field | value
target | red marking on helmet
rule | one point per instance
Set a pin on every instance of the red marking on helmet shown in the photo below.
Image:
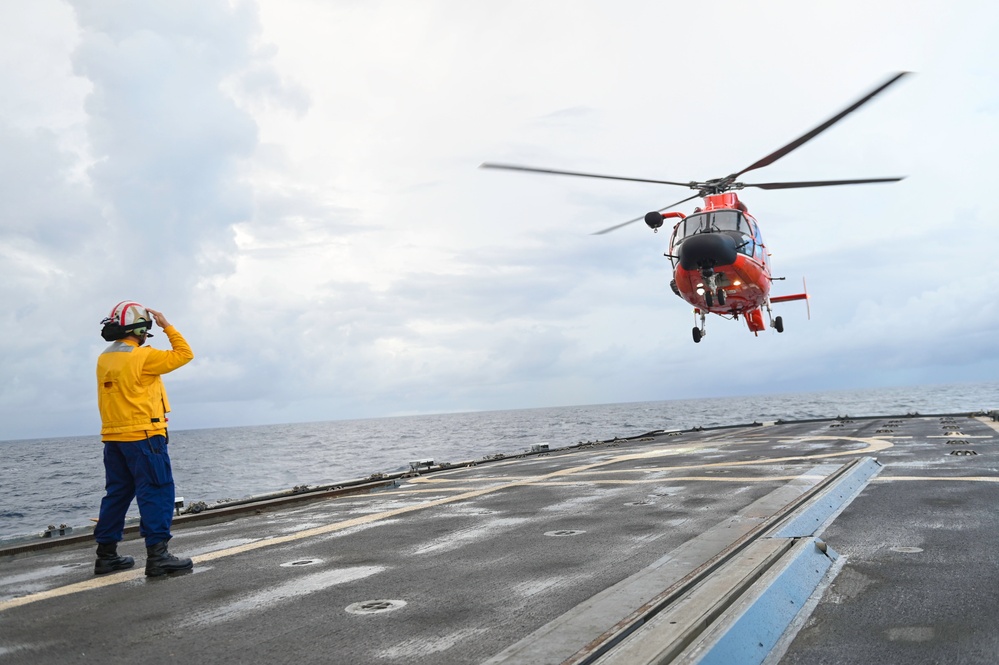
(125, 309)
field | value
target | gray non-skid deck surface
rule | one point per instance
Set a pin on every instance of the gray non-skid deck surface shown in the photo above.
(478, 558)
(921, 580)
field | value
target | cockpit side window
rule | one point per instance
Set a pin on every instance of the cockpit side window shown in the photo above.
(757, 242)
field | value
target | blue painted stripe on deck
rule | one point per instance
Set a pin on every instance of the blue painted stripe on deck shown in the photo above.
(756, 632)
(811, 521)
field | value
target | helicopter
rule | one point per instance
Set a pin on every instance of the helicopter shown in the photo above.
(720, 262)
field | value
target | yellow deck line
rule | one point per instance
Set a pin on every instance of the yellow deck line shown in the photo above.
(874, 445)
(128, 576)
(988, 421)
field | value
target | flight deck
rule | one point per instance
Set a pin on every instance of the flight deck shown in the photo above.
(825, 541)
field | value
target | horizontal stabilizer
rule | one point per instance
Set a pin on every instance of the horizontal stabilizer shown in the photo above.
(796, 296)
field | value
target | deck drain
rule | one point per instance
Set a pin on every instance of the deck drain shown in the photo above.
(375, 606)
(957, 442)
(564, 532)
(907, 550)
(963, 453)
(301, 562)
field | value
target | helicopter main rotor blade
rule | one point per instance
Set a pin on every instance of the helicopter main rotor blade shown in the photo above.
(638, 219)
(797, 143)
(511, 167)
(818, 183)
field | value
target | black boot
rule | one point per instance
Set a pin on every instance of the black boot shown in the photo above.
(108, 560)
(160, 562)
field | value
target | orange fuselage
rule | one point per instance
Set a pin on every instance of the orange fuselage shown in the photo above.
(720, 264)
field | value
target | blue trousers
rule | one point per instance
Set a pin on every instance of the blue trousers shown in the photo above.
(137, 470)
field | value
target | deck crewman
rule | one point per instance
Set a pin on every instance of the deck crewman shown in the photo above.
(133, 406)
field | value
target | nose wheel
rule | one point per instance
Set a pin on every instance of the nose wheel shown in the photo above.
(712, 292)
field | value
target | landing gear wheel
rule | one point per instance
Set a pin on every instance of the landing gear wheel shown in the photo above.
(708, 300)
(697, 334)
(779, 324)
(721, 296)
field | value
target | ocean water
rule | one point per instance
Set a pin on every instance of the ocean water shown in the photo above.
(61, 481)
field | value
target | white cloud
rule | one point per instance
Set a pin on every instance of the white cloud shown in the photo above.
(294, 183)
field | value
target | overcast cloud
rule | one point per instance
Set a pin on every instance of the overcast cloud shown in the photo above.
(295, 184)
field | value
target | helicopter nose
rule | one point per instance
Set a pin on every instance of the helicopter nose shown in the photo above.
(707, 250)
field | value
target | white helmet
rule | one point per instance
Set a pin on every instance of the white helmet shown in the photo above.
(127, 318)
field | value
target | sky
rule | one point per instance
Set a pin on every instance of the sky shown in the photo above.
(295, 185)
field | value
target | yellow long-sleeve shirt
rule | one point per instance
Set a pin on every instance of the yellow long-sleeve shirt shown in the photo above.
(130, 393)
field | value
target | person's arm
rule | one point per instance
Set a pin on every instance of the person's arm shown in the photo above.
(161, 362)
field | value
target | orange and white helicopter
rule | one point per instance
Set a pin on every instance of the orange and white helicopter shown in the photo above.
(720, 262)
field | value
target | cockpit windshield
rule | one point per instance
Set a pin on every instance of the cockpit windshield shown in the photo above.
(731, 222)
(717, 220)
